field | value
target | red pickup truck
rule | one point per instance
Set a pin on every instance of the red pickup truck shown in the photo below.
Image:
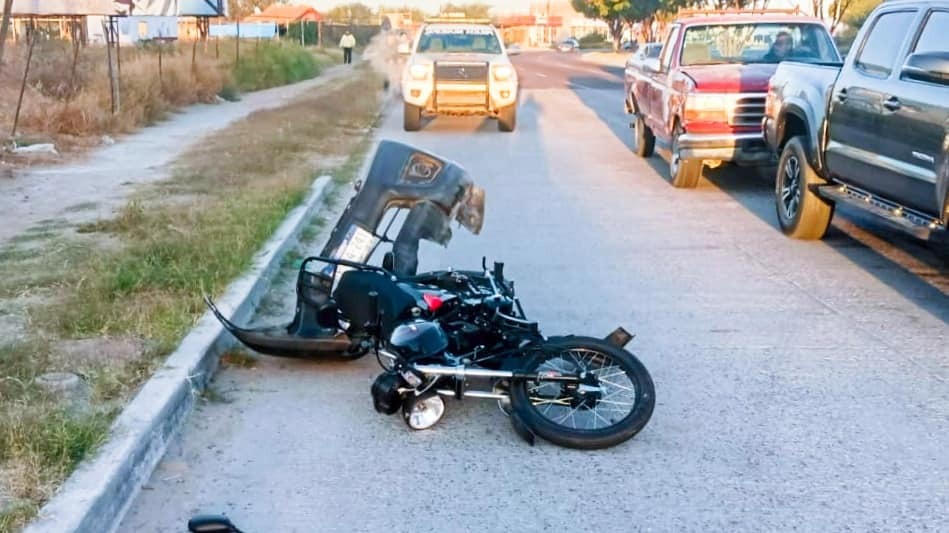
(703, 98)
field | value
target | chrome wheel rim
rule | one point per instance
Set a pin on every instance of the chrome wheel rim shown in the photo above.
(791, 188)
(617, 402)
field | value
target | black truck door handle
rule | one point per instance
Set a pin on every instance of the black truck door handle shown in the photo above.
(842, 95)
(892, 103)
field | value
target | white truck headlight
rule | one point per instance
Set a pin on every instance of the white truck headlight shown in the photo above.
(419, 72)
(502, 72)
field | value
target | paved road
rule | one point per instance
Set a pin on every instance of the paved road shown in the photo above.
(801, 386)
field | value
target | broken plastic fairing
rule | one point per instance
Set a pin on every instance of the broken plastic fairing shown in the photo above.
(434, 191)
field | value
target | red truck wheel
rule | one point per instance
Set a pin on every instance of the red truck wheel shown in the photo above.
(683, 173)
(801, 213)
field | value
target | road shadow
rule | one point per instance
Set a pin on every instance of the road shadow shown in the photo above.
(848, 235)
(857, 236)
(527, 114)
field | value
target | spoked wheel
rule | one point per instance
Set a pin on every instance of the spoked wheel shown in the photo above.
(612, 403)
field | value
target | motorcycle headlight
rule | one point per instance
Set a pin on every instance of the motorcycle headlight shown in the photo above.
(386, 398)
(503, 72)
(418, 72)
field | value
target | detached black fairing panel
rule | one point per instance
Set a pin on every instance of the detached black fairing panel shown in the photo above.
(433, 190)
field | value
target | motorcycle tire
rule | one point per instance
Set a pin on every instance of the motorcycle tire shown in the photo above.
(617, 431)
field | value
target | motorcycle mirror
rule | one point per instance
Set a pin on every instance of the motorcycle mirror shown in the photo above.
(388, 261)
(211, 524)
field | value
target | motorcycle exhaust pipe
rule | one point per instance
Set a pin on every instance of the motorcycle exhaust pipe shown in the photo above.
(484, 395)
(474, 394)
(462, 372)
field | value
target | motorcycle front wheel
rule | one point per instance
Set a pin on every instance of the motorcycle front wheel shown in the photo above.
(606, 409)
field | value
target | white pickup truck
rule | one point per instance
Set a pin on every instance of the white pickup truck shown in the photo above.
(460, 69)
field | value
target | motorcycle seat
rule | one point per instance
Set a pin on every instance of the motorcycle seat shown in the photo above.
(352, 298)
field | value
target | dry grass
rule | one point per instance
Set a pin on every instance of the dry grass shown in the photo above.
(69, 106)
(195, 232)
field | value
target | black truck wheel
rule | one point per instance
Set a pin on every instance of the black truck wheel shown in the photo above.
(411, 117)
(802, 214)
(644, 142)
(683, 173)
(507, 118)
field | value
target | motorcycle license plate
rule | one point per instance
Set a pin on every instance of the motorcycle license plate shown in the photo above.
(356, 247)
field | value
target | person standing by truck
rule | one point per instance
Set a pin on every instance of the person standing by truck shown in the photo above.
(347, 43)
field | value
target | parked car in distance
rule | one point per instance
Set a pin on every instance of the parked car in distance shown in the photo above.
(704, 97)
(568, 45)
(871, 132)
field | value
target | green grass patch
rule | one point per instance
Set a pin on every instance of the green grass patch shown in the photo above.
(274, 64)
(192, 234)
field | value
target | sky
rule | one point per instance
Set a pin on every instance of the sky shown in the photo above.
(427, 5)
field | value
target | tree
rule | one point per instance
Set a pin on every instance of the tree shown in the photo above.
(740, 4)
(615, 13)
(646, 12)
(474, 10)
(417, 14)
(853, 18)
(239, 9)
(355, 13)
(858, 11)
(4, 26)
(833, 11)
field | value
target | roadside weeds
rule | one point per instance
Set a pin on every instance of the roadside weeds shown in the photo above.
(109, 304)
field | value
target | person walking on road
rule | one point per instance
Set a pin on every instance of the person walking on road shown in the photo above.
(347, 43)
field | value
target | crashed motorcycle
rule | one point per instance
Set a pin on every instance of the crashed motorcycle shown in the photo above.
(452, 333)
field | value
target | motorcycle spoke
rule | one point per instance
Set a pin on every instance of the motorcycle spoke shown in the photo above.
(597, 415)
(617, 385)
(563, 405)
(610, 402)
(601, 376)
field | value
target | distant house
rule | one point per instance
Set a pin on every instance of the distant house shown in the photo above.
(546, 22)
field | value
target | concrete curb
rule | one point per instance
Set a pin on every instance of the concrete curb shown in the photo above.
(97, 495)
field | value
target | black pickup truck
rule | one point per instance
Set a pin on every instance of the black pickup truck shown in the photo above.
(872, 131)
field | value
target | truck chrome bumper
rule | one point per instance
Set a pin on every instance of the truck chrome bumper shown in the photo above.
(740, 148)
(460, 99)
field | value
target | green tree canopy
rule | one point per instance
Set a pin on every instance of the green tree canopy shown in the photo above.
(242, 8)
(354, 13)
(616, 13)
(417, 14)
(471, 10)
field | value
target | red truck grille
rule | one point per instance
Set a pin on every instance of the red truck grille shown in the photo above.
(749, 110)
